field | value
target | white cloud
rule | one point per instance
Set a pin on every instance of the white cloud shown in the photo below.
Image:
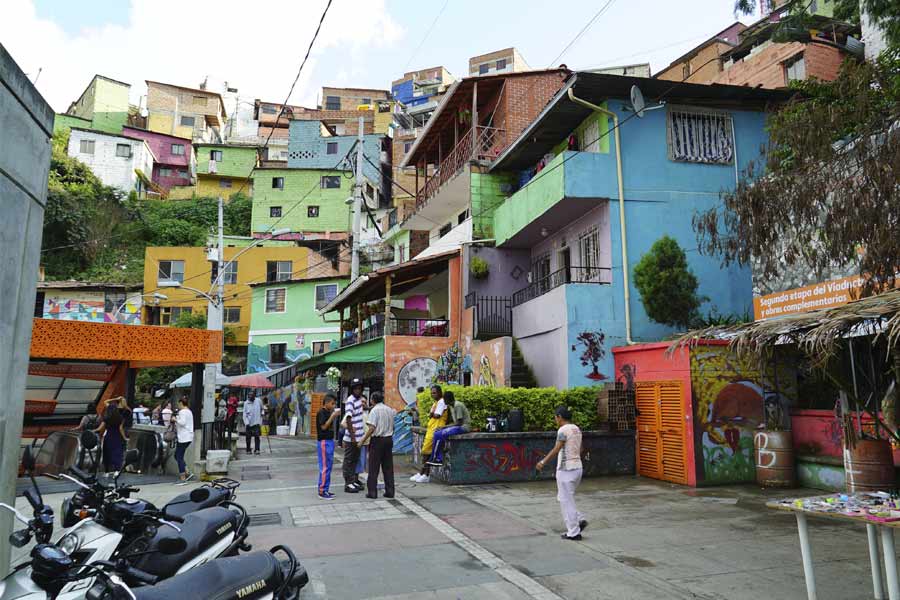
(255, 46)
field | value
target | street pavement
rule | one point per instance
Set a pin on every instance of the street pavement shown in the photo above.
(646, 539)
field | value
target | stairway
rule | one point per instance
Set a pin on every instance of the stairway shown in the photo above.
(520, 374)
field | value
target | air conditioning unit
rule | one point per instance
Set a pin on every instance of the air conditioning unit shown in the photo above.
(212, 167)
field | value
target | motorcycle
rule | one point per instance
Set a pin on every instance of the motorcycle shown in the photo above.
(206, 534)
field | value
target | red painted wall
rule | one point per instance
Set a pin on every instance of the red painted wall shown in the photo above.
(818, 433)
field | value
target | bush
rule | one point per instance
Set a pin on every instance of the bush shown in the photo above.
(538, 404)
(479, 268)
(667, 286)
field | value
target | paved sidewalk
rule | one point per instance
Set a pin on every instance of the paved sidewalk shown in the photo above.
(646, 539)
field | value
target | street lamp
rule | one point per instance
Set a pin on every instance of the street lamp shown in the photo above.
(155, 295)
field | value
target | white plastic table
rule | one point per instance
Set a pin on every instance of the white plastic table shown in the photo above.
(872, 531)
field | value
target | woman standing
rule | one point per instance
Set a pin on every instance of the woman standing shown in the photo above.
(184, 430)
(568, 472)
(112, 430)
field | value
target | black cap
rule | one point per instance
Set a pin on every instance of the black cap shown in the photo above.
(356, 382)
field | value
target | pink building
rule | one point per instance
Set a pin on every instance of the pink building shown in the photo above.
(175, 162)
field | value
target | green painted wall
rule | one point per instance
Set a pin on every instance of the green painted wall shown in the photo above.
(65, 122)
(300, 314)
(110, 106)
(542, 192)
(334, 214)
(236, 160)
(487, 195)
(579, 133)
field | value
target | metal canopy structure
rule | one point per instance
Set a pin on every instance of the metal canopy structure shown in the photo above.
(367, 352)
(561, 116)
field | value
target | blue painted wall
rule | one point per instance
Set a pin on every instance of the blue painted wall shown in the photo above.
(307, 149)
(403, 91)
(661, 198)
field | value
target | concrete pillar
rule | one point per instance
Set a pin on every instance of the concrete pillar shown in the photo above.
(26, 121)
(197, 370)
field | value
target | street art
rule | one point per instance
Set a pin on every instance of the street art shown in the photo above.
(627, 373)
(485, 373)
(258, 358)
(450, 366)
(593, 352)
(504, 458)
(94, 311)
(419, 372)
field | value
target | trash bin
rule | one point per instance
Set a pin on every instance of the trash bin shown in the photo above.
(516, 420)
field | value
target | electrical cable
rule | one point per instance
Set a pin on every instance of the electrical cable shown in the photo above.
(582, 32)
(427, 33)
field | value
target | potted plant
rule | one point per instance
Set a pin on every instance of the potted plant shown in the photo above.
(479, 268)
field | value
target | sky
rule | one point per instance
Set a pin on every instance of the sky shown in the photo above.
(257, 46)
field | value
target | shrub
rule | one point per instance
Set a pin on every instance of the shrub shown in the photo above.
(538, 404)
(479, 268)
(667, 285)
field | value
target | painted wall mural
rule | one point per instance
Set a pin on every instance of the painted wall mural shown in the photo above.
(90, 307)
(451, 365)
(591, 346)
(419, 372)
(492, 362)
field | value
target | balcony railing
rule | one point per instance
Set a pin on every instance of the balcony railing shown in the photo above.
(477, 143)
(493, 315)
(601, 275)
(410, 327)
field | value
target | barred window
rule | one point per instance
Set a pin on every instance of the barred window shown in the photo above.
(700, 136)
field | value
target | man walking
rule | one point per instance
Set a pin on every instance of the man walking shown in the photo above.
(325, 418)
(568, 472)
(380, 429)
(252, 420)
(459, 423)
(353, 434)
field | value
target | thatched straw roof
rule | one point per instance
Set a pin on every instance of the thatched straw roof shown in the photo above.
(818, 332)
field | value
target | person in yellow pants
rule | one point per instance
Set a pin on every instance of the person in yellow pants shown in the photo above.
(437, 418)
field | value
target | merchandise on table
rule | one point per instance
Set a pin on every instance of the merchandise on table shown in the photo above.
(882, 507)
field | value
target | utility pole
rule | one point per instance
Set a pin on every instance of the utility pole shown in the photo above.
(357, 202)
(214, 311)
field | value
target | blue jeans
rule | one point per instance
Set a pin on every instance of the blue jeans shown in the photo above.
(180, 449)
(325, 454)
(437, 450)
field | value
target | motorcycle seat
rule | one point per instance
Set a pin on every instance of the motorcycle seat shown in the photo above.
(182, 505)
(200, 530)
(248, 576)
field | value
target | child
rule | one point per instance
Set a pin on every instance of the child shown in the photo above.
(325, 445)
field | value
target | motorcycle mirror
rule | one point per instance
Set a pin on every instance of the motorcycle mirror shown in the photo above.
(89, 440)
(171, 545)
(28, 460)
(200, 494)
(132, 457)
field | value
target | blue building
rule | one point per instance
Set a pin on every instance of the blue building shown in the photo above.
(559, 249)
(420, 87)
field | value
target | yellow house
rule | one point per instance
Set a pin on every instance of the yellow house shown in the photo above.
(164, 267)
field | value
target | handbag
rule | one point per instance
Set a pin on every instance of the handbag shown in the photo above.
(170, 435)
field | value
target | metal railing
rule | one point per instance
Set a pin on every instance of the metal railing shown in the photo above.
(493, 315)
(601, 275)
(478, 143)
(350, 340)
(420, 327)
(216, 436)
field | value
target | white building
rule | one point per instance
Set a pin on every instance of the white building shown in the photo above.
(119, 161)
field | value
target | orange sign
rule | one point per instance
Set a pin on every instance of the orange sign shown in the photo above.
(810, 297)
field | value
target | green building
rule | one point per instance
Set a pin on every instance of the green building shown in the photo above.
(284, 323)
(302, 200)
(222, 169)
(103, 106)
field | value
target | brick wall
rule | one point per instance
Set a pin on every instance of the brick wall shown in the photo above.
(766, 68)
(524, 97)
(418, 242)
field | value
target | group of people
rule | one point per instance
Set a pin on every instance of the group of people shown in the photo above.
(368, 429)
(447, 417)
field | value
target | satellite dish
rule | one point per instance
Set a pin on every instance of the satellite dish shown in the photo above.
(637, 101)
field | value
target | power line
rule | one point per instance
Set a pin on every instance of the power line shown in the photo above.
(582, 32)
(427, 33)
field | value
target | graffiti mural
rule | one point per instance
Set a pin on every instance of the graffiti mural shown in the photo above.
(486, 372)
(627, 373)
(419, 372)
(450, 366)
(593, 352)
(492, 362)
(504, 459)
(90, 307)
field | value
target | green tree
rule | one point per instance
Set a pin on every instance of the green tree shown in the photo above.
(667, 286)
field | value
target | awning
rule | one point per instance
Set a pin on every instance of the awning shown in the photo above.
(369, 352)
(185, 380)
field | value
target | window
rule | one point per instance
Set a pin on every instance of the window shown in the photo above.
(332, 103)
(589, 252)
(200, 100)
(501, 64)
(86, 146)
(370, 191)
(320, 347)
(188, 121)
(686, 70)
(225, 183)
(324, 294)
(123, 150)
(278, 270)
(312, 212)
(407, 146)
(700, 136)
(165, 172)
(268, 109)
(590, 136)
(401, 253)
(331, 148)
(278, 183)
(445, 229)
(112, 301)
(540, 268)
(462, 217)
(275, 300)
(274, 211)
(215, 155)
(170, 271)
(331, 182)
(178, 149)
(277, 353)
(366, 101)
(232, 314)
(795, 69)
(183, 173)
(230, 276)
(168, 315)
(482, 69)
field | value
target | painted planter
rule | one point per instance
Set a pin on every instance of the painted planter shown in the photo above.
(508, 457)
(869, 466)
(775, 459)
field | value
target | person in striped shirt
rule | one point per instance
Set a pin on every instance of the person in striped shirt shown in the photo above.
(353, 434)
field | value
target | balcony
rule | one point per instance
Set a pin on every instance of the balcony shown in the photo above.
(570, 186)
(404, 327)
(597, 275)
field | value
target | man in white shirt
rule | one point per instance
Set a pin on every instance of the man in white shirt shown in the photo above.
(380, 430)
(568, 472)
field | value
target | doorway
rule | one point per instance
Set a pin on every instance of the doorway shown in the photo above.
(565, 264)
(661, 430)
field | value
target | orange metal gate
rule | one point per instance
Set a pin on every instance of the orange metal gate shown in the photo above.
(661, 430)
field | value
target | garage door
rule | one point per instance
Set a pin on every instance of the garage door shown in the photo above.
(661, 431)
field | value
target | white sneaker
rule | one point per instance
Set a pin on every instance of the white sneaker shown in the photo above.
(414, 478)
(423, 479)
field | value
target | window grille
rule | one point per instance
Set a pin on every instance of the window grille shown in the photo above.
(700, 136)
